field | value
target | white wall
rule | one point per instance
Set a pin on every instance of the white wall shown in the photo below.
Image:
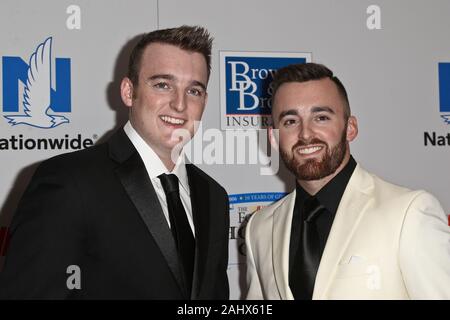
(391, 75)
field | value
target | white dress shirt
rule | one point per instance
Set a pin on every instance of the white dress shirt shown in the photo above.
(155, 167)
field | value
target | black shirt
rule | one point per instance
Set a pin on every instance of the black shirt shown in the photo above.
(329, 196)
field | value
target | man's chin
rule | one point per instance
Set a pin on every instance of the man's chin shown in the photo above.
(311, 170)
(312, 175)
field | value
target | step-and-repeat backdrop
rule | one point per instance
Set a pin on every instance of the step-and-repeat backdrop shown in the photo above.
(392, 56)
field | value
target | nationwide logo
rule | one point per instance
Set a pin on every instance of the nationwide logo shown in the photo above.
(433, 138)
(444, 91)
(23, 143)
(43, 98)
(246, 91)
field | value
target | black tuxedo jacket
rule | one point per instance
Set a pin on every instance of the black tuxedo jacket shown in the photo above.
(97, 209)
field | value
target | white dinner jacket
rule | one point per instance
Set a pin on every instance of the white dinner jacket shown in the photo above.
(386, 242)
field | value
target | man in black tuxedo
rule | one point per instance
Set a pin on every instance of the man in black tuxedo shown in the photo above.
(128, 219)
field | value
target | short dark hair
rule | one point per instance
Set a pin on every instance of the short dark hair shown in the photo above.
(303, 72)
(190, 38)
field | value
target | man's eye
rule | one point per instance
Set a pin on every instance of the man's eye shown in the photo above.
(322, 118)
(195, 92)
(161, 85)
(289, 122)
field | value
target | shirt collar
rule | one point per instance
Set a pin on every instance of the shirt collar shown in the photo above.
(330, 195)
(152, 162)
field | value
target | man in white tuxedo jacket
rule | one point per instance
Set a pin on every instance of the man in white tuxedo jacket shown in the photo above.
(343, 233)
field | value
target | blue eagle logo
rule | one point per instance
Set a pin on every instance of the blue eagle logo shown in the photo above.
(37, 92)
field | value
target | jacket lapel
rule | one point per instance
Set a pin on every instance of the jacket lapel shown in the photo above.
(282, 219)
(134, 178)
(354, 202)
(200, 203)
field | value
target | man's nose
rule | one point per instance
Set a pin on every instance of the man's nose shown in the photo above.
(305, 133)
(178, 101)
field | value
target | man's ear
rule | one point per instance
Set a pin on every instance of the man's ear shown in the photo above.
(126, 92)
(274, 138)
(352, 128)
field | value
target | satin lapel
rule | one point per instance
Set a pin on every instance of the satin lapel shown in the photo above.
(355, 200)
(282, 219)
(201, 205)
(135, 180)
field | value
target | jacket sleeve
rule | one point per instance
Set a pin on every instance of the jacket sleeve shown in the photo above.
(425, 249)
(223, 284)
(254, 286)
(46, 239)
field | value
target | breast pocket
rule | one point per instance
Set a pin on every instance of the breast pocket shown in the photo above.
(356, 279)
(350, 270)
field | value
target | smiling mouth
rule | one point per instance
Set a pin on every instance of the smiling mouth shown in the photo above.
(309, 150)
(172, 120)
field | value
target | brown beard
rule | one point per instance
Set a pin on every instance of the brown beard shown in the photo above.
(313, 169)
